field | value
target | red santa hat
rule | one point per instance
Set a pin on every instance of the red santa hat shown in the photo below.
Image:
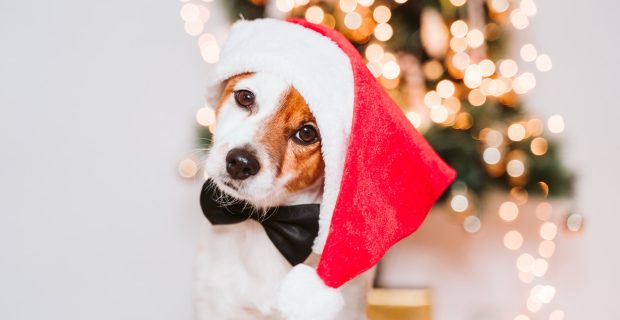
(381, 176)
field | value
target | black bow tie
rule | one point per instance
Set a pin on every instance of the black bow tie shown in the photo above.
(292, 229)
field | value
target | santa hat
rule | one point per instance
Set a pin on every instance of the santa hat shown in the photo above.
(381, 176)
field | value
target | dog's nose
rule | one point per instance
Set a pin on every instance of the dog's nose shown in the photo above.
(241, 164)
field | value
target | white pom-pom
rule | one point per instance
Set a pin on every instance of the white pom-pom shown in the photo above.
(304, 296)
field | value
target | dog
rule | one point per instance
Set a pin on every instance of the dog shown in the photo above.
(266, 151)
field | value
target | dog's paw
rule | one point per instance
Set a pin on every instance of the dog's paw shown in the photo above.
(304, 296)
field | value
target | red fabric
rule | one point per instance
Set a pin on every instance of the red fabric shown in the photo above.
(392, 177)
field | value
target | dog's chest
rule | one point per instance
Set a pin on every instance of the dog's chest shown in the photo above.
(239, 269)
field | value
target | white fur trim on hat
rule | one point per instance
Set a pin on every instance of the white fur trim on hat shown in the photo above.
(304, 296)
(318, 69)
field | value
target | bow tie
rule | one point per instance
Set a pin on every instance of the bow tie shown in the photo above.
(292, 229)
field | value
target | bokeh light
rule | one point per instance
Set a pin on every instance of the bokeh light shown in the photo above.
(546, 249)
(353, 20)
(459, 29)
(459, 203)
(543, 63)
(315, 14)
(556, 123)
(508, 211)
(528, 52)
(513, 240)
(382, 14)
(491, 155)
(544, 211)
(515, 168)
(548, 231)
(472, 224)
(188, 168)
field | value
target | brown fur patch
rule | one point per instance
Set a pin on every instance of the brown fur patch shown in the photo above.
(229, 87)
(303, 162)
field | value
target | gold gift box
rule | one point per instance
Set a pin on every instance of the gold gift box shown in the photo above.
(399, 304)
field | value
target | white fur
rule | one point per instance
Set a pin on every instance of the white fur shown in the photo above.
(239, 272)
(318, 69)
(304, 296)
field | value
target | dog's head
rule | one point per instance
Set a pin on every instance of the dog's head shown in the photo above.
(266, 145)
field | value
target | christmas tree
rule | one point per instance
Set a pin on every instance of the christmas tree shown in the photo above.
(443, 63)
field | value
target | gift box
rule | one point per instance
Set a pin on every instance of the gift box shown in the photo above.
(399, 304)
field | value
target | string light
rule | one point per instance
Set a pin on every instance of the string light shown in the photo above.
(524, 83)
(574, 222)
(383, 32)
(459, 29)
(461, 60)
(353, 20)
(494, 138)
(544, 210)
(516, 132)
(487, 67)
(433, 69)
(315, 14)
(508, 68)
(188, 168)
(518, 19)
(508, 211)
(528, 7)
(556, 315)
(432, 98)
(491, 155)
(382, 14)
(458, 3)
(515, 168)
(539, 146)
(414, 118)
(528, 52)
(194, 27)
(535, 127)
(365, 3)
(285, 5)
(445, 88)
(476, 98)
(543, 63)
(513, 240)
(539, 267)
(499, 5)
(472, 224)
(458, 44)
(189, 12)
(439, 114)
(390, 70)
(209, 50)
(556, 123)
(459, 203)
(546, 249)
(473, 76)
(347, 5)
(524, 262)
(375, 68)
(205, 116)
(548, 231)
(475, 38)
(374, 52)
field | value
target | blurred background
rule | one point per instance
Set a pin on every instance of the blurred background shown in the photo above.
(103, 119)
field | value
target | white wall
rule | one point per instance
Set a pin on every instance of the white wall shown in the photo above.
(97, 102)
(97, 106)
(475, 277)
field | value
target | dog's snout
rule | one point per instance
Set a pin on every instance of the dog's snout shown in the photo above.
(241, 164)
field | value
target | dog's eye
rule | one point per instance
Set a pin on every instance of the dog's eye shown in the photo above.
(306, 135)
(244, 98)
